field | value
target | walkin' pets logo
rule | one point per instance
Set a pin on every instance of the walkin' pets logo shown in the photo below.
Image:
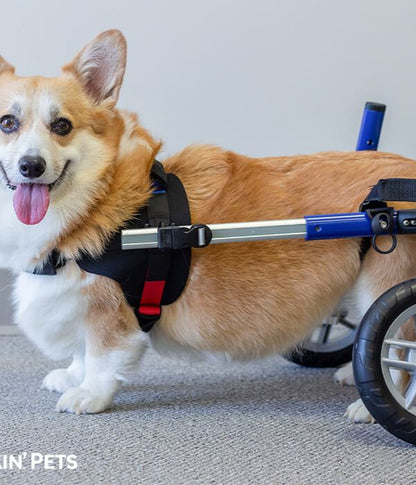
(35, 461)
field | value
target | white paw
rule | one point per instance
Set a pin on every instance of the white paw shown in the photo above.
(345, 376)
(79, 400)
(357, 413)
(59, 380)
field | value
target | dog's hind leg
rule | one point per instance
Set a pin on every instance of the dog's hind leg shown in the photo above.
(356, 301)
(344, 375)
(60, 380)
(362, 300)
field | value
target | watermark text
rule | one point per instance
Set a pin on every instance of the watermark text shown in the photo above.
(35, 461)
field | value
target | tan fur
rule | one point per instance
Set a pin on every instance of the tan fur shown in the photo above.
(110, 318)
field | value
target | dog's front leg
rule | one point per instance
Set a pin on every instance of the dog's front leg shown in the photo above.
(60, 380)
(114, 345)
(105, 372)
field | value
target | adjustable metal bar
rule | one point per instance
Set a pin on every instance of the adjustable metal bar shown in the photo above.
(258, 231)
(140, 238)
(330, 226)
(222, 233)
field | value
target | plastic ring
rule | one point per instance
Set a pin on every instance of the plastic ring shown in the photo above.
(388, 251)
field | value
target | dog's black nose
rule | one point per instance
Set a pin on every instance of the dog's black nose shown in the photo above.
(32, 167)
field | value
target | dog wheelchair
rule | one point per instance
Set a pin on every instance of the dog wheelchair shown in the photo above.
(377, 346)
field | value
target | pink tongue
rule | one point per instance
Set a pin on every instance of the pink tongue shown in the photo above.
(31, 202)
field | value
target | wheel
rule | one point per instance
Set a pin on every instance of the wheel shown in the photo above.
(384, 360)
(330, 345)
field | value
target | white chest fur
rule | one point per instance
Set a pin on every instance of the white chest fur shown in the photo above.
(51, 310)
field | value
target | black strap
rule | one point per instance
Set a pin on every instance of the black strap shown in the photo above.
(400, 190)
(169, 206)
(158, 262)
(158, 173)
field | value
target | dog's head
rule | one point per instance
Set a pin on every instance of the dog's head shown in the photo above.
(60, 133)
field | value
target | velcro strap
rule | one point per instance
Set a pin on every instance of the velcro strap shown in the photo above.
(400, 190)
(394, 190)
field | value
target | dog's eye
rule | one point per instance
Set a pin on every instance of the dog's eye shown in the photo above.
(9, 123)
(61, 126)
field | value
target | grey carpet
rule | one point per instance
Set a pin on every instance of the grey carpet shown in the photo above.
(268, 422)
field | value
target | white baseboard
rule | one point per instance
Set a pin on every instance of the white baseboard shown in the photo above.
(9, 330)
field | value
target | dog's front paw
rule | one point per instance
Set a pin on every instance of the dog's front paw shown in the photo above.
(79, 400)
(345, 376)
(358, 413)
(59, 380)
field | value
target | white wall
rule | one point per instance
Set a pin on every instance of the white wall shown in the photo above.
(261, 77)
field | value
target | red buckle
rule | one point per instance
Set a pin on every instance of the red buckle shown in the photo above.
(151, 298)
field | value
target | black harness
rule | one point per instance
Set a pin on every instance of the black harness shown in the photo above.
(149, 278)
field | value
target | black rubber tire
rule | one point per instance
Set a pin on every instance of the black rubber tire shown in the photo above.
(367, 363)
(309, 358)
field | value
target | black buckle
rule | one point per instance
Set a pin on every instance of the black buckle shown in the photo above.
(175, 237)
(372, 205)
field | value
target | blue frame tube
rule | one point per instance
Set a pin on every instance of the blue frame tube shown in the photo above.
(334, 226)
(371, 124)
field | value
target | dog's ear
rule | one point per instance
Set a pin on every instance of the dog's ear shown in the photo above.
(5, 66)
(100, 67)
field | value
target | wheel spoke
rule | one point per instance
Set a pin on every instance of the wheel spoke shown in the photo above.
(324, 332)
(410, 394)
(399, 364)
(402, 344)
(346, 323)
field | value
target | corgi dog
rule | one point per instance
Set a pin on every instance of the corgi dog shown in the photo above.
(74, 169)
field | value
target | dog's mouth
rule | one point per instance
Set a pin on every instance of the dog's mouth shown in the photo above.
(31, 200)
